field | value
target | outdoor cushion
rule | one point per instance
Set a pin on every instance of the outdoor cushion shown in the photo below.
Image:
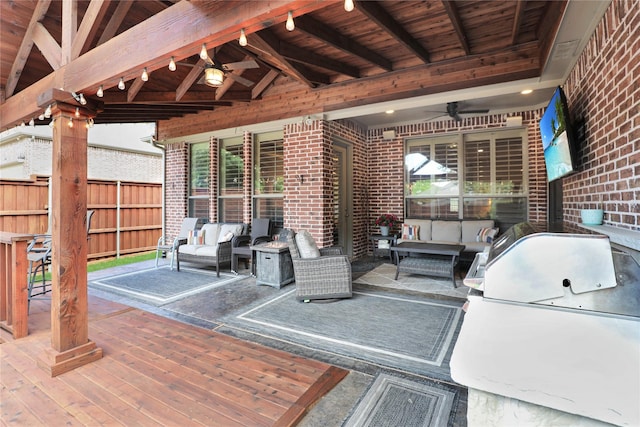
(207, 250)
(410, 232)
(189, 249)
(210, 233)
(470, 228)
(307, 245)
(486, 235)
(225, 229)
(424, 225)
(446, 231)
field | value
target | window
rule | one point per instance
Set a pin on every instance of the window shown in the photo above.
(231, 180)
(432, 178)
(199, 180)
(268, 186)
(490, 182)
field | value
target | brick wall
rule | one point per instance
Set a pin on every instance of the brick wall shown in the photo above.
(176, 185)
(603, 92)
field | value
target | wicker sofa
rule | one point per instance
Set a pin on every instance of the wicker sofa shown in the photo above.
(212, 245)
(462, 232)
(320, 273)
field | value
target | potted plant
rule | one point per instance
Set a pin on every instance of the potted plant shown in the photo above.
(386, 222)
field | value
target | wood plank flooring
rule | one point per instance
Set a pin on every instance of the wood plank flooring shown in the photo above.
(157, 371)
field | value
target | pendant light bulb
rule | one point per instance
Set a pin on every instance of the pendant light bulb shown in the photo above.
(32, 122)
(47, 112)
(203, 52)
(243, 38)
(121, 83)
(82, 100)
(77, 112)
(23, 124)
(70, 122)
(145, 75)
(41, 116)
(290, 25)
(100, 92)
(348, 5)
(172, 64)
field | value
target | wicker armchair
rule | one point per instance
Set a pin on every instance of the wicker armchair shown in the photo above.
(327, 276)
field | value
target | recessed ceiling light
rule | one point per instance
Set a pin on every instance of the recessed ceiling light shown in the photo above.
(390, 111)
(526, 91)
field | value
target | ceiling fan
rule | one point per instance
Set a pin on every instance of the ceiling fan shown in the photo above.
(215, 71)
(454, 111)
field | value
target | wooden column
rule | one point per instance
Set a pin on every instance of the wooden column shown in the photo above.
(70, 344)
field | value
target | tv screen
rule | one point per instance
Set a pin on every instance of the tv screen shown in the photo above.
(557, 137)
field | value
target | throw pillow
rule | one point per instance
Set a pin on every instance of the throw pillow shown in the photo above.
(410, 232)
(486, 234)
(306, 245)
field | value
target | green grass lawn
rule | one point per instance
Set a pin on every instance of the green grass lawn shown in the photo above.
(109, 263)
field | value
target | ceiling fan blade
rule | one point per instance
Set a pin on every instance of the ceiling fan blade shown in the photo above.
(240, 79)
(241, 65)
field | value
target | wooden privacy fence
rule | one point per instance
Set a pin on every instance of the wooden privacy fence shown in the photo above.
(127, 218)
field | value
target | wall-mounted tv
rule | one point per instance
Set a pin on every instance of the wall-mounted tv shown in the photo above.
(557, 137)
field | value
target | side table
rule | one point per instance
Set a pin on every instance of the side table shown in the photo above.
(375, 240)
(273, 264)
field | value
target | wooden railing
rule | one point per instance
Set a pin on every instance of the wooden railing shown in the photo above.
(14, 305)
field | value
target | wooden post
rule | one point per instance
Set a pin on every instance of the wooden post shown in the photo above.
(70, 342)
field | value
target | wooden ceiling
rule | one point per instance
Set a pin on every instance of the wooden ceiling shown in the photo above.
(86, 44)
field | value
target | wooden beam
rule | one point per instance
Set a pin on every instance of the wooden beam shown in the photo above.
(270, 44)
(322, 32)
(115, 21)
(182, 28)
(375, 12)
(69, 28)
(48, 46)
(89, 26)
(263, 84)
(454, 17)
(25, 47)
(297, 54)
(162, 98)
(517, 20)
(134, 89)
(192, 77)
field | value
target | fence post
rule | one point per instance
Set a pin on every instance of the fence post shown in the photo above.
(118, 202)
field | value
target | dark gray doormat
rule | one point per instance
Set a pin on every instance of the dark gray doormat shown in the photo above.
(159, 286)
(393, 401)
(410, 333)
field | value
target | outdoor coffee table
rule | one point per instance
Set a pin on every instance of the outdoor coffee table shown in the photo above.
(428, 259)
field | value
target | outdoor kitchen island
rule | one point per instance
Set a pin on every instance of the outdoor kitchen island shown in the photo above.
(551, 334)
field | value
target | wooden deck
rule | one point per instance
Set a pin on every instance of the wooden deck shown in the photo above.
(156, 371)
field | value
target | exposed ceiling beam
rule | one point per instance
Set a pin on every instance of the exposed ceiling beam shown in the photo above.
(263, 84)
(69, 28)
(454, 17)
(89, 26)
(191, 78)
(48, 46)
(375, 12)
(182, 28)
(297, 54)
(25, 47)
(115, 21)
(322, 32)
(134, 89)
(266, 41)
(162, 98)
(517, 21)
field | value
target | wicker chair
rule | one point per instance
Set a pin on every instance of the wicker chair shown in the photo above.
(325, 277)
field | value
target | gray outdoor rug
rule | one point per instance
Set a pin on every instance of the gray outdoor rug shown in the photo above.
(159, 286)
(393, 401)
(410, 333)
(384, 274)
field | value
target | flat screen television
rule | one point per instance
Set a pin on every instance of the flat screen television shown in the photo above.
(558, 139)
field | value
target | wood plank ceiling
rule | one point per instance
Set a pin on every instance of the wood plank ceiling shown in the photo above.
(79, 45)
